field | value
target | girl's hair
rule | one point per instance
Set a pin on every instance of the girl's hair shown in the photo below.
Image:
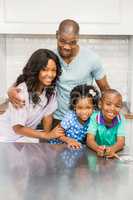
(38, 61)
(83, 91)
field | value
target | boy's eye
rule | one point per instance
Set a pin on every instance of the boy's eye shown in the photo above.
(108, 103)
(118, 106)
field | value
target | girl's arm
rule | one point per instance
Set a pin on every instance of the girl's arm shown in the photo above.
(29, 132)
(72, 143)
(47, 122)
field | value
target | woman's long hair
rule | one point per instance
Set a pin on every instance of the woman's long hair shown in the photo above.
(38, 61)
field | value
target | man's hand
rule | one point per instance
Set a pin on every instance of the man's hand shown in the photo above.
(15, 97)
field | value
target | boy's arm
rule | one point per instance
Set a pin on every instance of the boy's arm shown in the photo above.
(91, 143)
(110, 151)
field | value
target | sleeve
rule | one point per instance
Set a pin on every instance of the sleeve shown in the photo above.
(66, 122)
(98, 70)
(121, 128)
(52, 106)
(19, 115)
(92, 128)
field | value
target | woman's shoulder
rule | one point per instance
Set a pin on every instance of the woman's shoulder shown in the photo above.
(23, 91)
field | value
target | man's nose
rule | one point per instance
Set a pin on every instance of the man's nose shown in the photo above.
(67, 46)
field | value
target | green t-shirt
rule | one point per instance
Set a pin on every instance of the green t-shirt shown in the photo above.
(106, 135)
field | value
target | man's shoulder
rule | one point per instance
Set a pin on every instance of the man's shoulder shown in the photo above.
(89, 54)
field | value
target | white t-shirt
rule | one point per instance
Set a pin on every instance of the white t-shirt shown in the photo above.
(29, 115)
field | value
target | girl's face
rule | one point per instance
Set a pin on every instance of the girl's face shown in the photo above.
(111, 105)
(84, 108)
(48, 73)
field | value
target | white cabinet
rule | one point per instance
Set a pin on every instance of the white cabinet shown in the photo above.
(43, 16)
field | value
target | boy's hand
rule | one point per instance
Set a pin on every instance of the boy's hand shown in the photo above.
(73, 144)
(110, 153)
(101, 151)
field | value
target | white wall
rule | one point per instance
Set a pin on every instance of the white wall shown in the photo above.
(42, 17)
(113, 51)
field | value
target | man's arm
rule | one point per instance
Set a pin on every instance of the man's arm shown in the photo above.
(103, 84)
(14, 98)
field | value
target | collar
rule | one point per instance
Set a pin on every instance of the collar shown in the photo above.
(100, 120)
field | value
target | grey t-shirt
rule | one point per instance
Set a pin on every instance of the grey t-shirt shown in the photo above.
(83, 69)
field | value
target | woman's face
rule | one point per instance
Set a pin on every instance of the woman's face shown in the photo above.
(48, 73)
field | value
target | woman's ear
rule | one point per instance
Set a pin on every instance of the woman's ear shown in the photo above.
(56, 34)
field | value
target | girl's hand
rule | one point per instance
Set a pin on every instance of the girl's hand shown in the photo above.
(101, 151)
(110, 153)
(73, 144)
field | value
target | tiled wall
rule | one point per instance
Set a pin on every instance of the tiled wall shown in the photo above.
(113, 51)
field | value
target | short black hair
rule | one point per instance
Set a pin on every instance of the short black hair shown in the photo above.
(68, 26)
(110, 91)
(83, 91)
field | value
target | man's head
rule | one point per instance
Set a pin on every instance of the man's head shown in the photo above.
(67, 38)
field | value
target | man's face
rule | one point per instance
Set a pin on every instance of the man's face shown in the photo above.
(67, 45)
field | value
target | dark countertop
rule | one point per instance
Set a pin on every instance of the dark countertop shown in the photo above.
(53, 172)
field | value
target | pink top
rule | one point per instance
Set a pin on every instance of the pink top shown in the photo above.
(28, 116)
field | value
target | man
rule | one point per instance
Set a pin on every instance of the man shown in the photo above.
(79, 66)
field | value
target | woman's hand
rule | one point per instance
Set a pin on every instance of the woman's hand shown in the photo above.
(54, 133)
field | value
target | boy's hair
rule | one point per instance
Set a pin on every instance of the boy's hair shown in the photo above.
(38, 61)
(110, 91)
(83, 91)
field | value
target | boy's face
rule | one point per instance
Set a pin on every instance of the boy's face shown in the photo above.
(111, 105)
(84, 108)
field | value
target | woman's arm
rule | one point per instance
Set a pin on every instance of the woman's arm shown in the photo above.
(29, 132)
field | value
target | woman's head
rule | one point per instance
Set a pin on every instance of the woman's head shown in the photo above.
(83, 99)
(41, 71)
(110, 104)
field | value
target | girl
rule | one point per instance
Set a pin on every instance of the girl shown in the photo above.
(106, 134)
(83, 99)
(37, 87)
